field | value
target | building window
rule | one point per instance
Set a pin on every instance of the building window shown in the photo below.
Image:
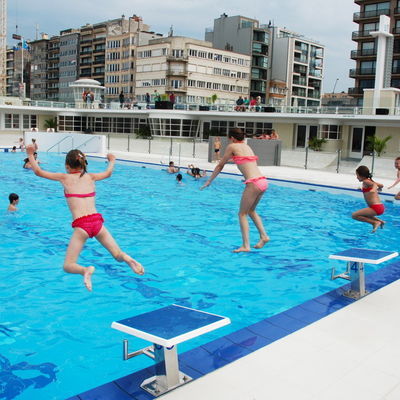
(11, 121)
(331, 131)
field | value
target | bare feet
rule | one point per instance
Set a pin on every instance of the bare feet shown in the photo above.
(376, 225)
(136, 266)
(241, 249)
(87, 277)
(381, 221)
(262, 242)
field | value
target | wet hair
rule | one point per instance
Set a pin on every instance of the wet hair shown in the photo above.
(195, 171)
(237, 134)
(397, 159)
(12, 197)
(363, 171)
(171, 163)
(14, 148)
(33, 140)
(75, 159)
(179, 177)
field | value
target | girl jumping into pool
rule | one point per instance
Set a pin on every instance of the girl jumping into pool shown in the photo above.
(79, 189)
(370, 190)
(256, 185)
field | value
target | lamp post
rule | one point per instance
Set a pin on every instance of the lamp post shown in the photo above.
(22, 84)
(334, 86)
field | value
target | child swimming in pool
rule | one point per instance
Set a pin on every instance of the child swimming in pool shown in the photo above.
(79, 189)
(256, 185)
(370, 190)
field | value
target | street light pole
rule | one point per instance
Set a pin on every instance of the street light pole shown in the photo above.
(334, 86)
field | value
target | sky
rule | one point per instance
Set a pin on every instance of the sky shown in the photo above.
(329, 22)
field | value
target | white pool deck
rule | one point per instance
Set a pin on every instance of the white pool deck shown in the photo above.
(353, 353)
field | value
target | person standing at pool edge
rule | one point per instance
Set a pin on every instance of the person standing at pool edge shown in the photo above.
(256, 185)
(370, 190)
(79, 189)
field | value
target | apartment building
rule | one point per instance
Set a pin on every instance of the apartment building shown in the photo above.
(53, 60)
(245, 35)
(299, 62)
(192, 69)
(365, 54)
(16, 60)
(68, 63)
(39, 68)
(120, 63)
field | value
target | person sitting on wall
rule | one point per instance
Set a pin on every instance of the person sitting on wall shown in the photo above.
(273, 135)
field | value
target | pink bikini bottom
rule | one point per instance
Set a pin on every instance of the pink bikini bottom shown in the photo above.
(91, 224)
(260, 182)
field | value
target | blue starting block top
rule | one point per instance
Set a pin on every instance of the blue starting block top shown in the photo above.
(170, 325)
(364, 255)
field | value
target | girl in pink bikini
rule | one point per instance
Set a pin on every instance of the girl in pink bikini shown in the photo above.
(370, 190)
(79, 189)
(256, 185)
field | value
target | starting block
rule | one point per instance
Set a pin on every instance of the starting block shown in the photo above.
(355, 267)
(166, 328)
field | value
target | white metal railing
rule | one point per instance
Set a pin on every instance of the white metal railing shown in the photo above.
(88, 141)
(60, 141)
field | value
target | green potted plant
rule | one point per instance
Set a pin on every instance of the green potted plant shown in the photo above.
(51, 123)
(378, 144)
(144, 132)
(316, 143)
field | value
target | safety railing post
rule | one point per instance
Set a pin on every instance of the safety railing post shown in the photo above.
(339, 152)
(306, 160)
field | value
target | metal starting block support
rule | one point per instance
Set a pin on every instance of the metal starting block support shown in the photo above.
(355, 268)
(166, 328)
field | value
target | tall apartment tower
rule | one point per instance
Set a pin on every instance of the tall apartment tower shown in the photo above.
(39, 67)
(245, 35)
(68, 63)
(53, 68)
(365, 55)
(299, 63)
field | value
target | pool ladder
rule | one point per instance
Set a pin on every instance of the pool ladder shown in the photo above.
(344, 275)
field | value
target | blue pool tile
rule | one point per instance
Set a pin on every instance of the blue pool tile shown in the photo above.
(286, 322)
(73, 398)
(109, 391)
(194, 374)
(268, 330)
(131, 383)
(225, 349)
(303, 315)
(248, 339)
(201, 360)
(319, 308)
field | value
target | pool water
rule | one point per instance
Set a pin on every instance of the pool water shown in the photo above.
(55, 337)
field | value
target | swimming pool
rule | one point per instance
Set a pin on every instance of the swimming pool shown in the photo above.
(55, 337)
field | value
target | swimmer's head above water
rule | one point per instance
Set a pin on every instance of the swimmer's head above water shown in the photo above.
(76, 160)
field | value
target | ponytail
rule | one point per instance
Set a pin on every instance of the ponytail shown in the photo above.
(363, 171)
(75, 159)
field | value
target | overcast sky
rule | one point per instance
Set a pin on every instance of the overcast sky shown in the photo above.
(327, 21)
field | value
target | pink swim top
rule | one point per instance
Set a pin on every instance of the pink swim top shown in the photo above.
(80, 195)
(244, 159)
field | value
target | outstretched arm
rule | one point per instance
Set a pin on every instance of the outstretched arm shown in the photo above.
(396, 181)
(107, 173)
(220, 166)
(54, 176)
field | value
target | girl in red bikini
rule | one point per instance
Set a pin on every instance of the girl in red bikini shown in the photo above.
(79, 189)
(256, 185)
(370, 190)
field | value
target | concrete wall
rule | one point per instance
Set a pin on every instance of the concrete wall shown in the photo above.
(65, 141)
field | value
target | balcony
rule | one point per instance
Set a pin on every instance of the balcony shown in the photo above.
(359, 16)
(396, 70)
(396, 11)
(302, 59)
(171, 88)
(299, 81)
(356, 91)
(177, 58)
(355, 54)
(176, 72)
(83, 52)
(362, 34)
(361, 71)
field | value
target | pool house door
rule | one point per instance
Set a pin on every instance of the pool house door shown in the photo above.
(304, 133)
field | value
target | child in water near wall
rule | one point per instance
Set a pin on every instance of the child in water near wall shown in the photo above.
(370, 190)
(14, 200)
(79, 190)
